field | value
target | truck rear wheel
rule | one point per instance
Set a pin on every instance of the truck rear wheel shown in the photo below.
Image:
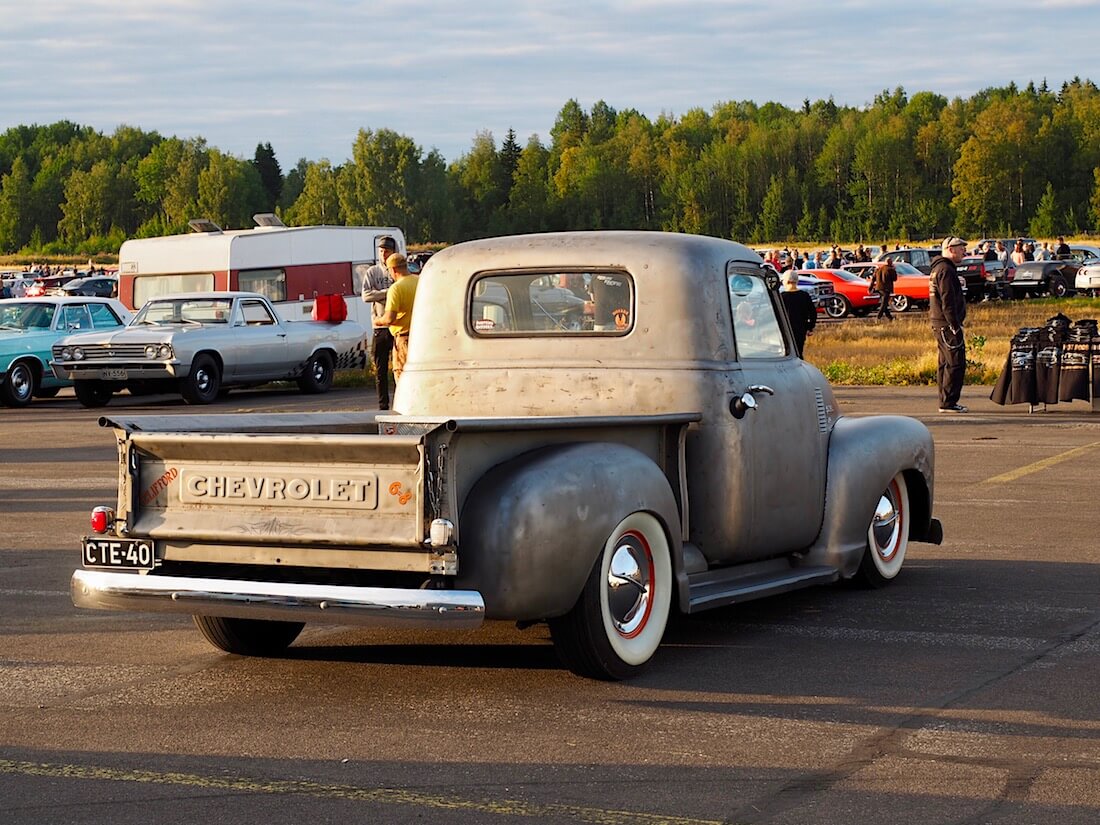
(317, 376)
(248, 637)
(619, 619)
(887, 536)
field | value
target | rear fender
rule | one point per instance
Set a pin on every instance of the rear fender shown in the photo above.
(532, 528)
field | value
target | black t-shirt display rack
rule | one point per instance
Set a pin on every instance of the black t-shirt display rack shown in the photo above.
(1059, 361)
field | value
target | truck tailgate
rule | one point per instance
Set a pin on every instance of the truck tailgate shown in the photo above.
(275, 489)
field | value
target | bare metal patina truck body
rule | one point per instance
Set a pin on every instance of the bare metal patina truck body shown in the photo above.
(663, 449)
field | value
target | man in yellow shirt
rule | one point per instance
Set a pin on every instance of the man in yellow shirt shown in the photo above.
(399, 309)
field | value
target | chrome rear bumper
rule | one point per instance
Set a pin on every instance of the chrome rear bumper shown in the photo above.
(330, 604)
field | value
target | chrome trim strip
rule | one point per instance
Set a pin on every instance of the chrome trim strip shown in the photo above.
(330, 604)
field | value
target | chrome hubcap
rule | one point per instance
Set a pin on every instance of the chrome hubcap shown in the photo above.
(21, 382)
(202, 380)
(885, 525)
(630, 584)
(318, 371)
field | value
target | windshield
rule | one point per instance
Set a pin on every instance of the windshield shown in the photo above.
(26, 315)
(186, 311)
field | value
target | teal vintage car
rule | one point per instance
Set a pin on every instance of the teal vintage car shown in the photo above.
(29, 327)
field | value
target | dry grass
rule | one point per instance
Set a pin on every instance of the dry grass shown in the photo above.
(865, 351)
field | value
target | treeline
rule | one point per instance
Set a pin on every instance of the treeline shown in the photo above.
(1006, 161)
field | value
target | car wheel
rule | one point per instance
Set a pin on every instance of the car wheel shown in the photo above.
(899, 303)
(18, 386)
(248, 637)
(93, 393)
(887, 536)
(317, 376)
(837, 306)
(202, 384)
(619, 619)
(47, 392)
(1058, 287)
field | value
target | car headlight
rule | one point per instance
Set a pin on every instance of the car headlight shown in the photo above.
(164, 351)
(151, 351)
(78, 354)
(66, 353)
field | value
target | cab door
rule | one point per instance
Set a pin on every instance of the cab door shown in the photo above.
(777, 428)
(259, 343)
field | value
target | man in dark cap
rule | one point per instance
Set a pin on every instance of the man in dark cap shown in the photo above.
(947, 311)
(376, 283)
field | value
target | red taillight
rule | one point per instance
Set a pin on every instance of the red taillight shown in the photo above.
(101, 519)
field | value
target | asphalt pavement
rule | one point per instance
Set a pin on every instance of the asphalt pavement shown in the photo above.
(964, 692)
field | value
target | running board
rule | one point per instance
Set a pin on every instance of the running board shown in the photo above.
(730, 585)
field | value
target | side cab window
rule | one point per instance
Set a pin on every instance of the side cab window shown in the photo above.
(255, 314)
(757, 331)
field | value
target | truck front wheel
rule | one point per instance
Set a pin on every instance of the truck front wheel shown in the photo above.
(92, 393)
(887, 536)
(248, 637)
(202, 384)
(619, 619)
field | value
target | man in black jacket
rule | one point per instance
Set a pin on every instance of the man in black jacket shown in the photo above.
(883, 282)
(947, 310)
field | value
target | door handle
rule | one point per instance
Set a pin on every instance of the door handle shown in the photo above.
(741, 404)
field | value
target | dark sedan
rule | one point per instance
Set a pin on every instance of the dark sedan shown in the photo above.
(97, 287)
(1055, 278)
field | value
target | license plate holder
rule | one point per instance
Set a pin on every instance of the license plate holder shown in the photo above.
(113, 374)
(118, 554)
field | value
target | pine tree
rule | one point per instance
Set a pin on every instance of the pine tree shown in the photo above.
(271, 174)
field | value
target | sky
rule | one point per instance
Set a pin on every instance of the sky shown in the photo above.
(308, 76)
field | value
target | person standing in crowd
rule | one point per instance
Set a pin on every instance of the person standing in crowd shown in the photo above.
(811, 261)
(800, 310)
(883, 283)
(947, 311)
(399, 310)
(989, 253)
(376, 284)
(1018, 255)
(1043, 253)
(1062, 251)
(1003, 255)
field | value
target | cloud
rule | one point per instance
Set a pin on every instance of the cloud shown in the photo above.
(307, 77)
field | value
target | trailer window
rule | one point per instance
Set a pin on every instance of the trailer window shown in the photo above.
(552, 303)
(151, 286)
(271, 283)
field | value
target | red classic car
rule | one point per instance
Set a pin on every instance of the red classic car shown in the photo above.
(851, 296)
(910, 289)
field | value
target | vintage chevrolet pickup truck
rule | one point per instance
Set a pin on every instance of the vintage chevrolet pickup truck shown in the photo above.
(669, 453)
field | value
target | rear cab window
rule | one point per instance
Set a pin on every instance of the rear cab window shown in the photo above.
(556, 303)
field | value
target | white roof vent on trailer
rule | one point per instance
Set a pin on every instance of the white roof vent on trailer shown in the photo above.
(204, 225)
(268, 220)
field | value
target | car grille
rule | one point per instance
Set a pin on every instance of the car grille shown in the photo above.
(104, 351)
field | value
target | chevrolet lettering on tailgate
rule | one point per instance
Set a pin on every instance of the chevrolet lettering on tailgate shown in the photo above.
(209, 485)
